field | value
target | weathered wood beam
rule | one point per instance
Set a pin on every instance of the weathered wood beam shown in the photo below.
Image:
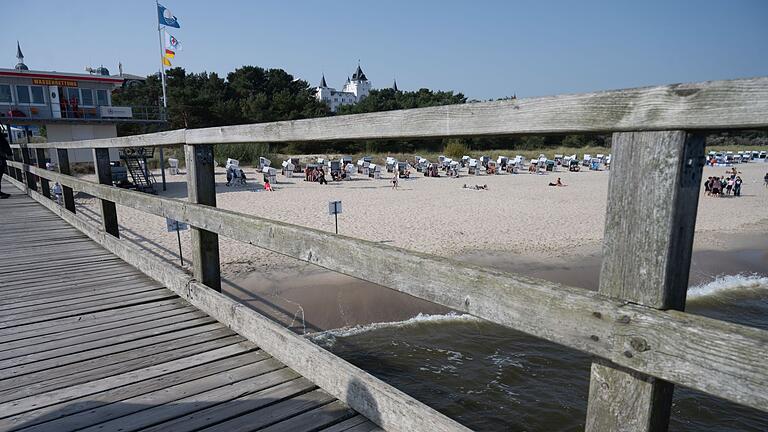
(706, 105)
(66, 191)
(104, 175)
(44, 185)
(383, 404)
(166, 138)
(201, 189)
(719, 358)
(712, 105)
(653, 195)
(29, 178)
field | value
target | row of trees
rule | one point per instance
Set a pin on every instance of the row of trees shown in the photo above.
(252, 94)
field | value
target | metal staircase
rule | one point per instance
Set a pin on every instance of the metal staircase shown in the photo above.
(135, 159)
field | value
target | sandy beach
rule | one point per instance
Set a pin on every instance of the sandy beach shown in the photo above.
(518, 224)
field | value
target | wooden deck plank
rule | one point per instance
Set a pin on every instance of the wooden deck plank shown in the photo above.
(39, 361)
(33, 402)
(86, 320)
(105, 337)
(15, 297)
(275, 413)
(96, 307)
(38, 338)
(88, 341)
(240, 406)
(357, 423)
(113, 364)
(65, 300)
(172, 403)
(106, 397)
(80, 292)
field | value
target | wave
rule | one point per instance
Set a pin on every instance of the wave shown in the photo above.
(329, 336)
(727, 285)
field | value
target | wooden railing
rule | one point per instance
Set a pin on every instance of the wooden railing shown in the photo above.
(634, 326)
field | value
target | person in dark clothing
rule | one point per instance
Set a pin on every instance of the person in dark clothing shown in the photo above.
(5, 153)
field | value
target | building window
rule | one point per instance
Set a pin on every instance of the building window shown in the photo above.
(22, 94)
(37, 95)
(101, 97)
(73, 94)
(5, 93)
(87, 97)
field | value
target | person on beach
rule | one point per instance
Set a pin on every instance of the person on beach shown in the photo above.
(765, 179)
(321, 177)
(558, 183)
(715, 186)
(5, 153)
(708, 186)
(395, 180)
(728, 186)
(737, 186)
(268, 185)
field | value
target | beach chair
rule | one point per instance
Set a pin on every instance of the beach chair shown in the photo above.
(391, 163)
(288, 168)
(270, 173)
(264, 162)
(350, 169)
(235, 175)
(472, 170)
(464, 161)
(173, 166)
(403, 170)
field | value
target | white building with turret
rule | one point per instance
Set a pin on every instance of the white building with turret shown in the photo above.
(354, 90)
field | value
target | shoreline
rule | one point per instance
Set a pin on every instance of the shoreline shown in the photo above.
(329, 300)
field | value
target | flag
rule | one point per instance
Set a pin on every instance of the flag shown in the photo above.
(169, 54)
(166, 18)
(166, 62)
(171, 43)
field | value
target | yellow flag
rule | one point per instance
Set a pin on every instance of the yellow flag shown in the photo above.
(169, 54)
(166, 62)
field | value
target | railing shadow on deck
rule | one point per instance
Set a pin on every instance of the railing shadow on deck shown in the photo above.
(634, 325)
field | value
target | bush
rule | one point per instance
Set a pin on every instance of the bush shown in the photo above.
(455, 149)
(246, 153)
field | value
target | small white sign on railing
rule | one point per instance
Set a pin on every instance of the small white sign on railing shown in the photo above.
(116, 112)
(172, 225)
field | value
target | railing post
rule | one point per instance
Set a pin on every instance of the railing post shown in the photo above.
(62, 155)
(44, 185)
(104, 175)
(29, 178)
(201, 189)
(653, 193)
(17, 158)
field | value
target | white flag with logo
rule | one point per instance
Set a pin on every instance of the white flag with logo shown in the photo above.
(171, 43)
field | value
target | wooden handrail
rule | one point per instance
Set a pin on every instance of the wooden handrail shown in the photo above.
(723, 359)
(711, 105)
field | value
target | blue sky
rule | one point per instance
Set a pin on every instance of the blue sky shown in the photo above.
(485, 49)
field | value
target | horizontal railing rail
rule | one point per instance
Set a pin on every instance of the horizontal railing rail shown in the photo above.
(712, 105)
(719, 358)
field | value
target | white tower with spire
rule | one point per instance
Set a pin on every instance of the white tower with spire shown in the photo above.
(20, 57)
(354, 90)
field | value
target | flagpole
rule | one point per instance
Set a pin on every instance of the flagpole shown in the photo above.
(165, 99)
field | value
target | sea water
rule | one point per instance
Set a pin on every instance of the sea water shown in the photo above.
(489, 377)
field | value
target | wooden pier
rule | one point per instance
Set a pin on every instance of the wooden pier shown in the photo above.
(71, 350)
(88, 342)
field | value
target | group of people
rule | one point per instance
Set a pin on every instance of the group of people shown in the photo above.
(723, 185)
(315, 174)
